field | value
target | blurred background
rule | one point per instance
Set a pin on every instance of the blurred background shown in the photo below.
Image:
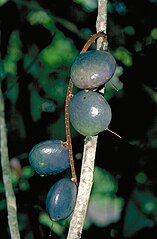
(39, 41)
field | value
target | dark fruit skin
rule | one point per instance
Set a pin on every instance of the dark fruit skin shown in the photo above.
(61, 199)
(49, 157)
(89, 113)
(92, 69)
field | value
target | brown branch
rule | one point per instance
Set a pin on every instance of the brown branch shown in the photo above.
(6, 173)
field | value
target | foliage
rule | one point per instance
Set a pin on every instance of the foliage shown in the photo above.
(39, 43)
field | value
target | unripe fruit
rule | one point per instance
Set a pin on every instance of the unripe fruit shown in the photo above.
(92, 69)
(49, 157)
(61, 199)
(89, 113)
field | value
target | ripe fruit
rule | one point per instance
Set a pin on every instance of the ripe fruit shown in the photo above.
(89, 113)
(61, 199)
(49, 157)
(92, 69)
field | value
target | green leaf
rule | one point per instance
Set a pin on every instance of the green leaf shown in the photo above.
(27, 172)
(3, 2)
(36, 105)
(88, 5)
(154, 33)
(56, 89)
(14, 178)
(56, 53)
(123, 55)
(2, 71)
(39, 17)
(103, 184)
(146, 201)
(24, 185)
(45, 220)
(129, 30)
(141, 178)
(48, 106)
(10, 66)
(141, 207)
(31, 63)
(134, 220)
(14, 54)
(12, 92)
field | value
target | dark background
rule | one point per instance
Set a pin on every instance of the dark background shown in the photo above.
(39, 41)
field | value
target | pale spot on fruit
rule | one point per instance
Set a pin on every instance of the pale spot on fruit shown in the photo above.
(47, 150)
(94, 76)
(94, 111)
(56, 199)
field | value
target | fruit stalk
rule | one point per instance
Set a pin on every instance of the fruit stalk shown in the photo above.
(87, 169)
(10, 197)
(68, 135)
(101, 35)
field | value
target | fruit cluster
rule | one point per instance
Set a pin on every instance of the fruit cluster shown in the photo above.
(49, 158)
(89, 113)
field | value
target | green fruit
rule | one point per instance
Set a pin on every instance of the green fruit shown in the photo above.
(61, 199)
(49, 157)
(92, 69)
(89, 113)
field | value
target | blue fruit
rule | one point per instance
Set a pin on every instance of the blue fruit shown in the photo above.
(92, 69)
(61, 199)
(49, 157)
(89, 113)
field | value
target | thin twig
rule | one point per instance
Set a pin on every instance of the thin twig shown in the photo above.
(89, 151)
(99, 34)
(112, 132)
(6, 172)
(68, 134)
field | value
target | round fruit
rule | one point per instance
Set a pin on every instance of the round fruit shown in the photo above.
(49, 157)
(92, 69)
(89, 113)
(61, 199)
